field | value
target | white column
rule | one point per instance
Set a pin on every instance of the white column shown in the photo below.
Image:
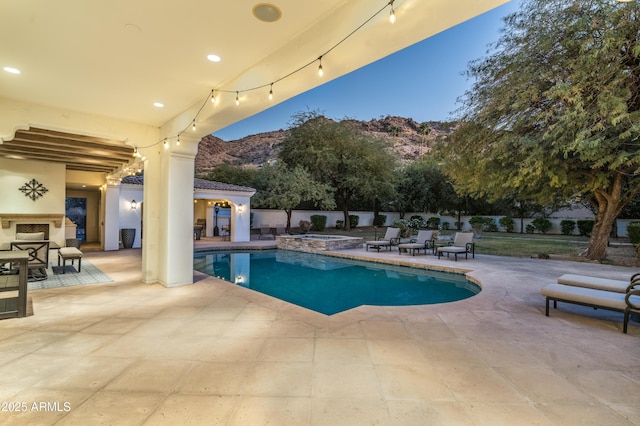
(167, 255)
(112, 217)
(240, 222)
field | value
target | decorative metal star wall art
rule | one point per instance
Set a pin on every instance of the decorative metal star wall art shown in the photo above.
(33, 189)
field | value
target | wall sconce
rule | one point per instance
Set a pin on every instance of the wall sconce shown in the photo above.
(240, 208)
(134, 205)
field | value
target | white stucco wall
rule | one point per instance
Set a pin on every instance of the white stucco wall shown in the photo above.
(129, 217)
(13, 175)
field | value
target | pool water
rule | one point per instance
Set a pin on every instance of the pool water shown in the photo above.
(330, 285)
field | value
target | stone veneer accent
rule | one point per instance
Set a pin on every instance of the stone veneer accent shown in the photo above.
(312, 243)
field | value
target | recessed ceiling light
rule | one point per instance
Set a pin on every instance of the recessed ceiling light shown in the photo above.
(267, 12)
(158, 104)
(213, 58)
(12, 70)
(15, 157)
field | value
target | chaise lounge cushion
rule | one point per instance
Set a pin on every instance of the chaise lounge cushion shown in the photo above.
(618, 286)
(587, 296)
(628, 303)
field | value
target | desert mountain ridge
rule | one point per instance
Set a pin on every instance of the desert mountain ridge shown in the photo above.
(405, 136)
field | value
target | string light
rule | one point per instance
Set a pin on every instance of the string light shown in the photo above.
(392, 13)
(212, 96)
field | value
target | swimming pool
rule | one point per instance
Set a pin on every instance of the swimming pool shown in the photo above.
(330, 285)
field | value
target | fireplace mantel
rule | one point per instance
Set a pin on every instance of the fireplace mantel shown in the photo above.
(7, 218)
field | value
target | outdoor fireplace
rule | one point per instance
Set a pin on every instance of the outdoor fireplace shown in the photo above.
(33, 227)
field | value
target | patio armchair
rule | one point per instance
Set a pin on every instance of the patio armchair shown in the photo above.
(462, 243)
(38, 261)
(265, 233)
(424, 241)
(281, 230)
(390, 238)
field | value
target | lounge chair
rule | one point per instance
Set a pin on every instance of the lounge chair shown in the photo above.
(265, 233)
(424, 241)
(38, 258)
(462, 243)
(391, 237)
(606, 284)
(627, 302)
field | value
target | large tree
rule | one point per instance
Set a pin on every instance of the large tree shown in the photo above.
(555, 110)
(285, 188)
(351, 162)
(423, 187)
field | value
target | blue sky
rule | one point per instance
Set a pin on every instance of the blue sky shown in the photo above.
(421, 82)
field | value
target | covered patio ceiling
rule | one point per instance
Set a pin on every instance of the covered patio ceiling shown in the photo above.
(115, 59)
(77, 152)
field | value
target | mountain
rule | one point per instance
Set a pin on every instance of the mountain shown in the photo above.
(403, 134)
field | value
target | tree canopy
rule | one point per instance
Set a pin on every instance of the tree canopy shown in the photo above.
(554, 110)
(285, 188)
(351, 162)
(423, 187)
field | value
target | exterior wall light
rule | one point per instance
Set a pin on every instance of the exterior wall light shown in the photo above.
(240, 208)
(134, 205)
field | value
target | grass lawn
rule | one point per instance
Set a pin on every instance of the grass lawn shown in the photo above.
(498, 243)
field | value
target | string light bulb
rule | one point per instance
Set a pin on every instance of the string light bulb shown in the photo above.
(392, 19)
(392, 14)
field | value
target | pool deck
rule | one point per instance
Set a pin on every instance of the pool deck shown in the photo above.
(215, 353)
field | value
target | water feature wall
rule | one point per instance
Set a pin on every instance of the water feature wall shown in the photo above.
(312, 243)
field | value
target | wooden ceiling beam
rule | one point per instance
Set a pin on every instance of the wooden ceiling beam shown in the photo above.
(73, 144)
(71, 136)
(72, 153)
(64, 156)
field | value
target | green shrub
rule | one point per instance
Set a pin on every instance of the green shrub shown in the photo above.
(433, 223)
(633, 231)
(305, 226)
(542, 224)
(405, 229)
(482, 223)
(417, 222)
(507, 223)
(354, 219)
(380, 220)
(339, 224)
(567, 226)
(445, 226)
(318, 222)
(585, 227)
(529, 229)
